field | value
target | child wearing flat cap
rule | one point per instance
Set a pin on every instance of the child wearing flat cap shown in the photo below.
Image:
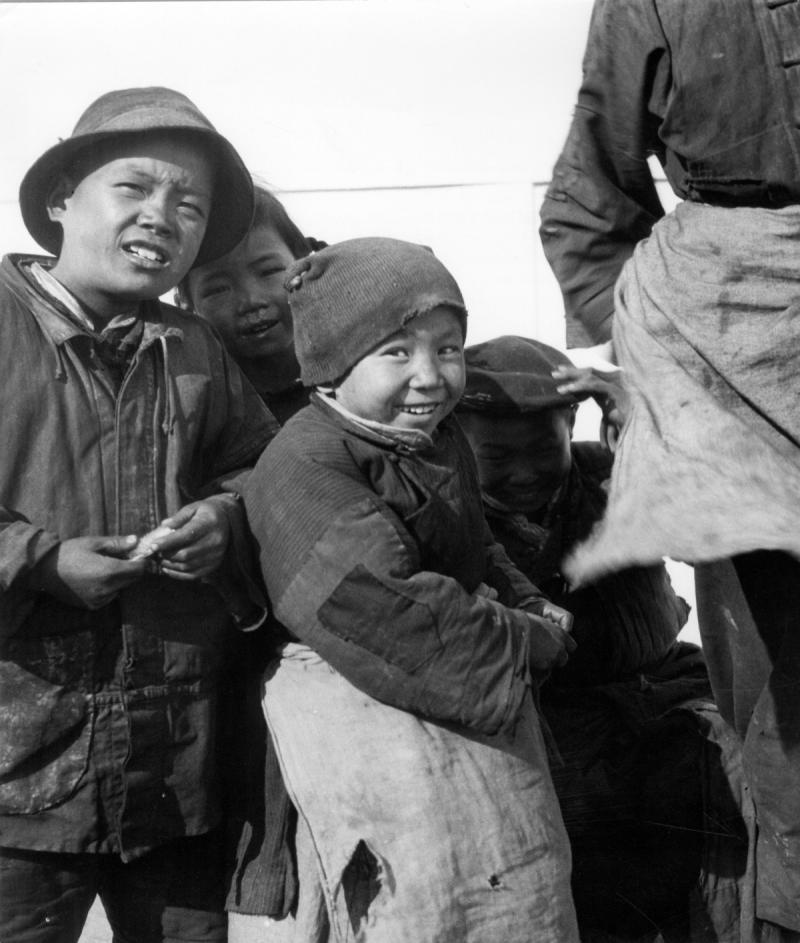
(121, 416)
(402, 705)
(628, 751)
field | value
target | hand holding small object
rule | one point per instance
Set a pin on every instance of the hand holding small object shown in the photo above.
(88, 572)
(191, 544)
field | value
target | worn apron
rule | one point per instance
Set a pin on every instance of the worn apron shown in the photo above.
(421, 831)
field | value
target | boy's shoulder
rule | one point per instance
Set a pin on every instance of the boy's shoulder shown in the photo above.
(195, 331)
(312, 435)
(186, 321)
(19, 292)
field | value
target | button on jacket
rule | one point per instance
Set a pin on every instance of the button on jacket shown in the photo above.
(108, 717)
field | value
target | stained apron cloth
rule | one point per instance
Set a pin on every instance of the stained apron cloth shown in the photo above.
(422, 831)
(707, 330)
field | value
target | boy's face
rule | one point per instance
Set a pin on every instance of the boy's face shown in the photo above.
(242, 295)
(414, 378)
(133, 225)
(522, 459)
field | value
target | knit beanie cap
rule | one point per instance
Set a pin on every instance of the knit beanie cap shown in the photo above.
(349, 297)
(512, 374)
(127, 114)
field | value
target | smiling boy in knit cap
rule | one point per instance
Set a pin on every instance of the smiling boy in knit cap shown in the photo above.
(402, 705)
(120, 414)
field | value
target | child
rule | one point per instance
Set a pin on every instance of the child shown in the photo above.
(627, 751)
(402, 709)
(242, 294)
(120, 414)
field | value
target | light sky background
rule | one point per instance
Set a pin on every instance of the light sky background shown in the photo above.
(437, 121)
(432, 120)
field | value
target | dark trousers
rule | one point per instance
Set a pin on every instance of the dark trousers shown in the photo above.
(174, 893)
(754, 664)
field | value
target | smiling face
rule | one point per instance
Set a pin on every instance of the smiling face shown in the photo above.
(132, 225)
(414, 378)
(242, 295)
(522, 458)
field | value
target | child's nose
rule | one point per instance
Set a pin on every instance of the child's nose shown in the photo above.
(154, 215)
(426, 372)
(249, 295)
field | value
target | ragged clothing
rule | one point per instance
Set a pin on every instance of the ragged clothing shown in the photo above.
(377, 558)
(624, 622)
(621, 713)
(707, 465)
(382, 550)
(437, 833)
(704, 325)
(109, 717)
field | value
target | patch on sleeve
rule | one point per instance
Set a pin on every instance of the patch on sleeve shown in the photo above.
(363, 610)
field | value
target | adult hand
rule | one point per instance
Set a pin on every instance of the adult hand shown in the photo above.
(88, 572)
(199, 538)
(605, 386)
(608, 390)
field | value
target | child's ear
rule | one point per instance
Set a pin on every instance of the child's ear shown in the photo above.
(61, 191)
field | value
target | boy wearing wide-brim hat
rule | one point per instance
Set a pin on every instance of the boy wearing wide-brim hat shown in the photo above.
(121, 414)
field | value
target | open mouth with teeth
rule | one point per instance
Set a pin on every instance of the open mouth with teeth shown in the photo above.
(425, 409)
(259, 327)
(146, 256)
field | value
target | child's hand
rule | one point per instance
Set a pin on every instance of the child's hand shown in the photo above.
(558, 615)
(540, 606)
(551, 644)
(197, 543)
(88, 572)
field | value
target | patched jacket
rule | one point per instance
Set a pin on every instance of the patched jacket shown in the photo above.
(108, 717)
(372, 555)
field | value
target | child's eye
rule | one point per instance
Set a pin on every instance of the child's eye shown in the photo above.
(271, 271)
(494, 458)
(450, 350)
(398, 352)
(133, 188)
(211, 291)
(192, 209)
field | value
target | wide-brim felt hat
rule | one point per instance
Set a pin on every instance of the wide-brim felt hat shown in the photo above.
(134, 112)
(513, 374)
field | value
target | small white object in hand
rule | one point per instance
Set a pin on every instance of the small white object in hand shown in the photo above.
(148, 544)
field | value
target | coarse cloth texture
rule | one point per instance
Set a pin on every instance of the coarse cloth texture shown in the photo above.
(707, 331)
(349, 297)
(422, 831)
(127, 114)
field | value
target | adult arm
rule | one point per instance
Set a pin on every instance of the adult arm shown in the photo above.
(602, 199)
